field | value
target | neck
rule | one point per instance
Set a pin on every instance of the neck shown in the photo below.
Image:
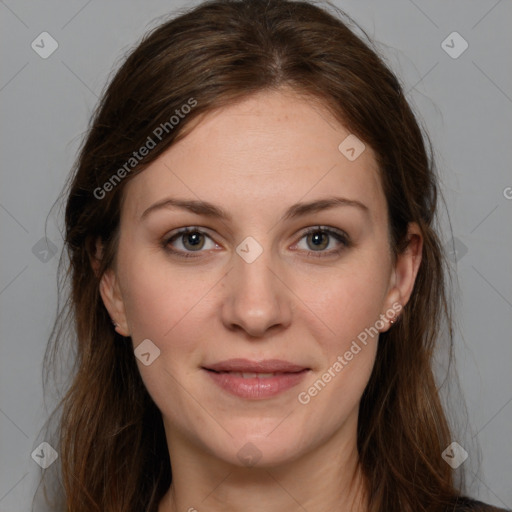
(327, 478)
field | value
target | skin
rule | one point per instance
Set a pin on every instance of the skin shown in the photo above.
(254, 159)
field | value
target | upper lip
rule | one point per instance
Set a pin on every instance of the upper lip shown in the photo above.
(245, 365)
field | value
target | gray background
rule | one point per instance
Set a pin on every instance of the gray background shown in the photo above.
(465, 104)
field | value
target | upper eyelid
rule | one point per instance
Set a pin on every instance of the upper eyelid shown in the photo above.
(187, 229)
(303, 232)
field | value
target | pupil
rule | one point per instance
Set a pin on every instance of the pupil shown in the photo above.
(317, 239)
(193, 239)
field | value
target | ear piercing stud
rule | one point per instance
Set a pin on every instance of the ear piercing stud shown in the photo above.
(394, 319)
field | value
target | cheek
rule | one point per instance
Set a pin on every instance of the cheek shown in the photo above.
(349, 306)
(349, 303)
(163, 306)
(157, 298)
(350, 311)
(346, 301)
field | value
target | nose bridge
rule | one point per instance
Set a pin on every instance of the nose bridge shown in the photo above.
(257, 299)
(253, 269)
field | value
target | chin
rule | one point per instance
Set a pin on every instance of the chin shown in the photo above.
(259, 449)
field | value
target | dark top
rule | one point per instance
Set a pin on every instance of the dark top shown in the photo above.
(465, 504)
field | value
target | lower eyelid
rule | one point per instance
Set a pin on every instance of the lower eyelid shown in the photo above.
(176, 236)
(342, 239)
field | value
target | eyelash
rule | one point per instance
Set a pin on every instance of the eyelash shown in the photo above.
(340, 236)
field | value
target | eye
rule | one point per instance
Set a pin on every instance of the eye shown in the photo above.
(320, 238)
(191, 239)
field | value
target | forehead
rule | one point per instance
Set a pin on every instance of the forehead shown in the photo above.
(265, 152)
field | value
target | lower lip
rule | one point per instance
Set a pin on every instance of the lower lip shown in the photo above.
(255, 387)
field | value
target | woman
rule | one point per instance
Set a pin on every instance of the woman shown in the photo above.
(256, 281)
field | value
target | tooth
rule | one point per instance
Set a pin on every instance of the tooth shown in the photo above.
(249, 375)
(266, 375)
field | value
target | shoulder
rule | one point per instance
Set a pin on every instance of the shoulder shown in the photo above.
(465, 504)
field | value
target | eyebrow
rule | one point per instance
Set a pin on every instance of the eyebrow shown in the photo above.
(297, 210)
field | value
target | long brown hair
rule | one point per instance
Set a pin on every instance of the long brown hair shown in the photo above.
(112, 447)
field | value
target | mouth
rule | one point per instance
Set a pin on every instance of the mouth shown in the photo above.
(252, 375)
(256, 379)
(266, 366)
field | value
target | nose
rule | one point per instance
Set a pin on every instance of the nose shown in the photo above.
(257, 298)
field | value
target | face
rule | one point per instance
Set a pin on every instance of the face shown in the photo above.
(259, 309)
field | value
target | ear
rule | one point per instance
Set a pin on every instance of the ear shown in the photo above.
(404, 274)
(95, 254)
(112, 298)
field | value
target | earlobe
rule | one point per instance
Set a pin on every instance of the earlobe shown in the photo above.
(113, 301)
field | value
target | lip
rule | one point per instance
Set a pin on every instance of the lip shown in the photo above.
(247, 366)
(227, 375)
